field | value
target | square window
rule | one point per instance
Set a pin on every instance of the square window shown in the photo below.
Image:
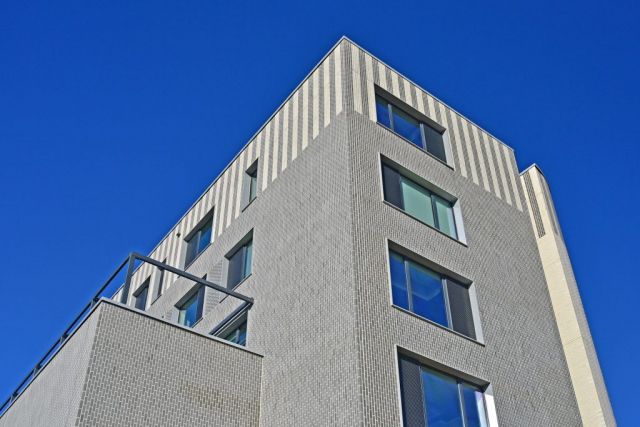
(407, 125)
(190, 311)
(418, 201)
(431, 397)
(431, 295)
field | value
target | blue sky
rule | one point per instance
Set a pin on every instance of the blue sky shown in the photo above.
(115, 116)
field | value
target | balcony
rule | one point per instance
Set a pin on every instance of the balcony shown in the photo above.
(121, 366)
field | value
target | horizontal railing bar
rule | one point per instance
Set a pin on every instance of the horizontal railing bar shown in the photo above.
(192, 277)
(248, 302)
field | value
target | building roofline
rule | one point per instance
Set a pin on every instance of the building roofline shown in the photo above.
(282, 105)
(534, 165)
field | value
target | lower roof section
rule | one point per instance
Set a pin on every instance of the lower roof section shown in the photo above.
(123, 367)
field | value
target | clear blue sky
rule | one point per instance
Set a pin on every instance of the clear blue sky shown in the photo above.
(115, 116)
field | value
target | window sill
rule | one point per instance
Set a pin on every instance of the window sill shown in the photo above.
(424, 319)
(236, 286)
(422, 222)
(415, 146)
(197, 256)
(248, 204)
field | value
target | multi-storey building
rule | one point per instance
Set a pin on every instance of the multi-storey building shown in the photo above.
(370, 258)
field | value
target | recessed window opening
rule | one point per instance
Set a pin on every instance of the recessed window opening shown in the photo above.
(239, 265)
(250, 184)
(409, 127)
(418, 201)
(190, 311)
(199, 240)
(431, 295)
(431, 397)
(141, 296)
(234, 330)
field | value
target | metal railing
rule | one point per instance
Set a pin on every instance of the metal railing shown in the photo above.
(124, 291)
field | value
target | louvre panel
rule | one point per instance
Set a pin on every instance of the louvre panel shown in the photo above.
(460, 307)
(534, 205)
(411, 389)
(391, 182)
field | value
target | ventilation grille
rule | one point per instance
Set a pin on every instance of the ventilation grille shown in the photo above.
(534, 205)
(460, 308)
(411, 388)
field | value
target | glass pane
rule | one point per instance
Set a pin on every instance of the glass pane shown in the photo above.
(192, 249)
(428, 299)
(236, 268)
(398, 281)
(406, 126)
(446, 221)
(248, 258)
(205, 236)
(435, 142)
(474, 406)
(189, 311)
(253, 185)
(441, 398)
(382, 111)
(417, 201)
(141, 298)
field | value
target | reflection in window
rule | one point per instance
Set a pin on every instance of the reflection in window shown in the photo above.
(238, 334)
(419, 202)
(191, 310)
(141, 296)
(199, 241)
(412, 129)
(431, 397)
(240, 264)
(431, 295)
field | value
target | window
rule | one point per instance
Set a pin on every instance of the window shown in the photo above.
(431, 295)
(141, 296)
(190, 311)
(160, 280)
(250, 184)
(434, 398)
(199, 241)
(418, 132)
(236, 332)
(419, 202)
(240, 264)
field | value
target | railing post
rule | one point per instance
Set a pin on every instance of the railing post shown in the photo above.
(127, 281)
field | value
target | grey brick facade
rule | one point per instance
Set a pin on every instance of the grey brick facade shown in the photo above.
(323, 334)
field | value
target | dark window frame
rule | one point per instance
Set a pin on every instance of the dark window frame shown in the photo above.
(144, 288)
(423, 368)
(198, 293)
(241, 247)
(195, 237)
(250, 176)
(444, 283)
(390, 105)
(432, 197)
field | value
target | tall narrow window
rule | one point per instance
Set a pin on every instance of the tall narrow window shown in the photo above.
(434, 398)
(250, 184)
(190, 311)
(240, 264)
(418, 202)
(431, 295)
(141, 296)
(199, 241)
(418, 132)
(161, 276)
